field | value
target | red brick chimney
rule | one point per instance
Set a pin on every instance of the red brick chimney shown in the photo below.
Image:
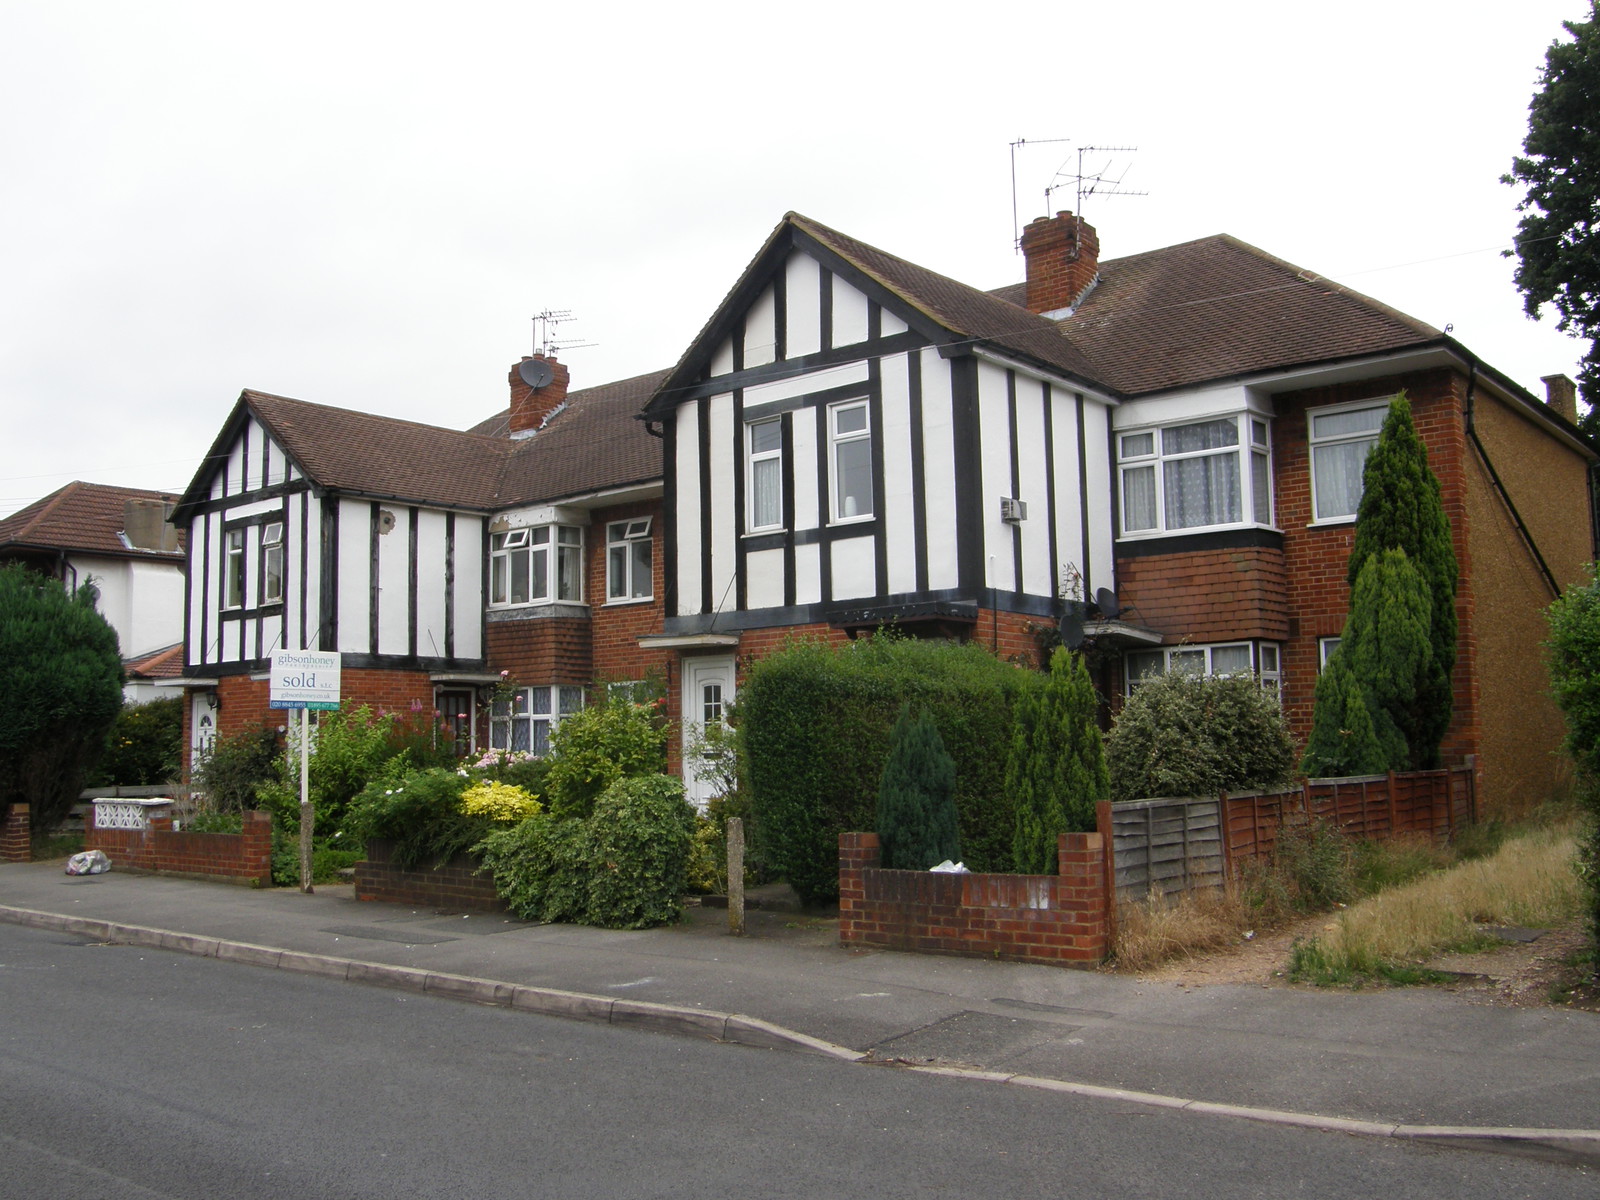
(530, 405)
(1063, 254)
(1561, 394)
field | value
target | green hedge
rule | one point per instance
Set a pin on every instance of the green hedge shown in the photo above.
(816, 723)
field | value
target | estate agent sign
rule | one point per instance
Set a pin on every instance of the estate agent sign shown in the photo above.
(304, 679)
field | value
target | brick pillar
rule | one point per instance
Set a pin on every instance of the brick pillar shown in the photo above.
(258, 848)
(16, 839)
(1080, 860)
(858, 852)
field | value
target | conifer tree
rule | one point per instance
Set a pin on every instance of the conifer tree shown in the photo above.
(917, 826)
(1057, 770)
(1369, 689)
(1402, 508)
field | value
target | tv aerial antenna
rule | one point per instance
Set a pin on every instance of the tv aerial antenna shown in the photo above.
(1085, 183)
(545, 341)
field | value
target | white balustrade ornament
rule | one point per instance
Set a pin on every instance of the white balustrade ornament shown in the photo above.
(128, 813)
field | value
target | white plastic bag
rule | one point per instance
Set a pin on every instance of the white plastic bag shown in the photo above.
(90, 862)
(950, 868)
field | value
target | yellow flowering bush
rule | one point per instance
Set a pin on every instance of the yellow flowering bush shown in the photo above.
(499, 802)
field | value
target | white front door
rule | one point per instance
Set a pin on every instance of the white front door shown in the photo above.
(707, 692)
(202, 725)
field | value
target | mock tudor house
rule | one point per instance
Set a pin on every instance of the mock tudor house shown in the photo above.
(119, 540)
(1172, 441)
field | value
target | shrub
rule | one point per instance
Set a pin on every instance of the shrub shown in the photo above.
(60, 690)
(916, 797)
(592, 749)
(499, 802)
(1574, 652)
(639, 840)
(1056, 771)
(143, 745)
(540, 868)
(420, 812)
(815, 722)
(233, 771)
(1184, 735)
(1318, 861)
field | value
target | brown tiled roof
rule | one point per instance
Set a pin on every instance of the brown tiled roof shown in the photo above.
(86, 517)
(382, 456)
(1219, 308)
(158, 664)
(958, 307)
(593, 443)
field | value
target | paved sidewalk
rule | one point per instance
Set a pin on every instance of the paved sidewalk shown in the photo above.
(1401, 1062)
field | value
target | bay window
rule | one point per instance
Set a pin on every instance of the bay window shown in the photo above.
(524, 720)
(521, 570)
(1260, 659)
(1190, 476)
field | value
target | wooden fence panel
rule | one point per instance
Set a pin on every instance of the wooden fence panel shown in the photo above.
(1167, 845)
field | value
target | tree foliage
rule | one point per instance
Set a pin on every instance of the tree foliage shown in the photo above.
(143, 745)
(1369, 693)
(60, 690)
(916, 797)
(1192, 735)
(1558, 237)
(593, 749)
(1574, 653)
(1402, 508)
(1056, 773)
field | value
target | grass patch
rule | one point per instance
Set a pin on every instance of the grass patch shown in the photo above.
(1528, 881)
(1159, 929)
(49, 846)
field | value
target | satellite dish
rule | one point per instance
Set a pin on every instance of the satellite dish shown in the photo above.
(1071, 624)
(1106, 600)
(535, 372)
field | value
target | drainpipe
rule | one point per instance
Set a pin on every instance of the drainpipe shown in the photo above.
(1499, 487)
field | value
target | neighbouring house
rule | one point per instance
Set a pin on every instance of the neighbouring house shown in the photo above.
(118, 539)
(1171, 440)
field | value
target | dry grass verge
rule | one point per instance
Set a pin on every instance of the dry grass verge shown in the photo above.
(1529, 881)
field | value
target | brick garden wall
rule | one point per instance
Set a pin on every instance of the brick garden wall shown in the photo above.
(16, 843)
(1058, 920)
(244, 858)
(453, 886)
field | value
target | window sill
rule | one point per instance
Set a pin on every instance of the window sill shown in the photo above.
(1152, 535)
(631, 600)
(1329, 522)
(858, 519)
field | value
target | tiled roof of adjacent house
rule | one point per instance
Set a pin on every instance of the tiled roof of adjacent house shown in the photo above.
(1219, 308)
(85, 517)
(158, 664)
(958, 307)
(383, 456)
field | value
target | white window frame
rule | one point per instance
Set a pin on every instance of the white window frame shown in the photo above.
(1325, 648)
(1252, 454)
(761, 462)
(526, 719)
(233, 568)
(629, 581)
(520, 555)
(1380, 406)
(1266, 662)
(272, 563)
(844, 441)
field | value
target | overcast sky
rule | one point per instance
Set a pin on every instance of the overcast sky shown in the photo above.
(364, 204)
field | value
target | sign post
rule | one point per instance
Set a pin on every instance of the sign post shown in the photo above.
(304, 679)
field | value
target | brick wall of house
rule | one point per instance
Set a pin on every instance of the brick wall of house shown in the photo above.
(540, 650)
(1317, 556)
(617, 628)
(1208, 595)
(1058, 920)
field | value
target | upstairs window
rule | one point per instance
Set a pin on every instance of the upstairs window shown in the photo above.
(521, 570)
(1341, 439)
(233, 569)
(525, 720)
(764, 481)
(272, 562)
(1183, 477)
(850, 432)
(628, 560)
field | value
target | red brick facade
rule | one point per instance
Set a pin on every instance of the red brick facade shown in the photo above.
(454, 886)
(16, 842)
